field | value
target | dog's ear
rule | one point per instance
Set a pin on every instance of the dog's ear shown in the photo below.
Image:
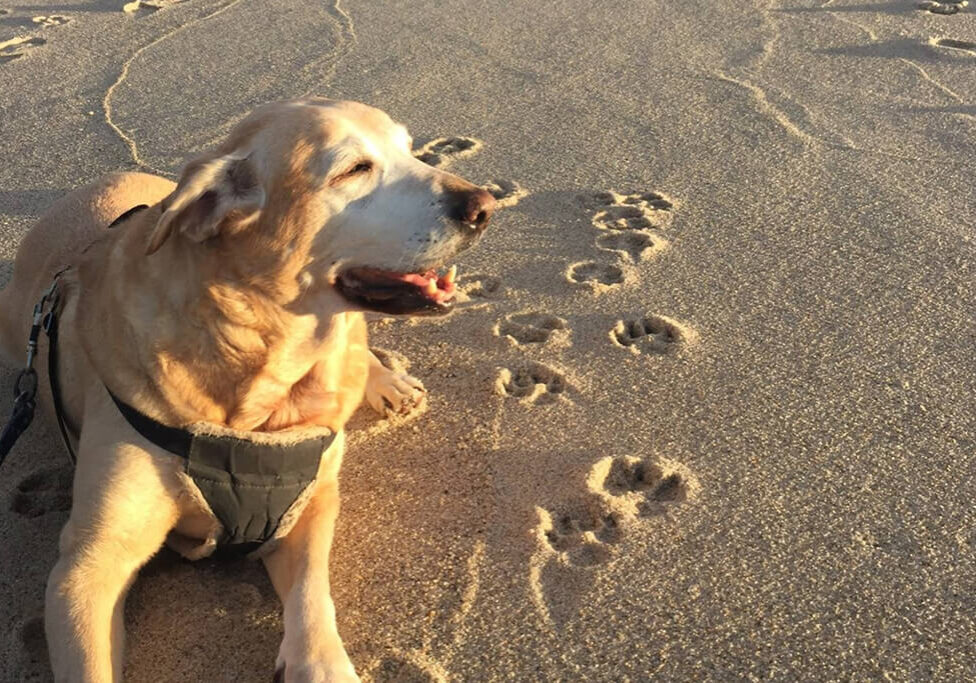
(211, 193)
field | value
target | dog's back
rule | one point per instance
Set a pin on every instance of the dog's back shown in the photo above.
(58, 239)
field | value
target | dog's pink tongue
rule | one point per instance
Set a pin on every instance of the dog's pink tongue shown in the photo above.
(439, 288)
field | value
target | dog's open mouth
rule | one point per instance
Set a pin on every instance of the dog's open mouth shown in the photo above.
(388, 291)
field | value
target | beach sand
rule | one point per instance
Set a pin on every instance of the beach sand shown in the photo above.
(707, 410)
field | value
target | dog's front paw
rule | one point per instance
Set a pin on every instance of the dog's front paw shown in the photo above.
(388, 391)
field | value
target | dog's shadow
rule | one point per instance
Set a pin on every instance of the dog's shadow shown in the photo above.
(188, 618)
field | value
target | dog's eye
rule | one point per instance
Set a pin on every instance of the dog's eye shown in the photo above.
(361, 167)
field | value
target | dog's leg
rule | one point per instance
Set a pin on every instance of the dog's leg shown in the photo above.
(121, 514)
(311, 650)
(388, 390)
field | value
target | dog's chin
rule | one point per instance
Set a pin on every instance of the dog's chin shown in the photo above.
(398, 293)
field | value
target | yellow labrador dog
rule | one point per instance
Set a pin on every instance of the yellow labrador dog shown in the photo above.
(215, 338)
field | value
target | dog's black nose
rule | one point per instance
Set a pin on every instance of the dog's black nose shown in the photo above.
(472, 208)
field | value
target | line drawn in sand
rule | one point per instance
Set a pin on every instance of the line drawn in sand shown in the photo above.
(155, 75)
(429, 663)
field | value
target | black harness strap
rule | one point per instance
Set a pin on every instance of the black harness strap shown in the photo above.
(128, 214)
(50, 325)
(51, 329)
(176, 441)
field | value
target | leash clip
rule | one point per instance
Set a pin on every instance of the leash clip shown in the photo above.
(25, 386)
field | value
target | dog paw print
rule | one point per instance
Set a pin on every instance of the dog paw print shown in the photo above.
(146, 6)
(395, 669)
(946, 7)
(479, 286)
(632, 245)
(51, 20)
(621, 489)
(32, 640)
(638, 211)
(598, 275)
(658, 485)
(16, 47)
(443, 151)
(506, 192)
(530, 328)
(48, 490)
(531, 382)
(584, 540)
(652, 334)
(622, 218)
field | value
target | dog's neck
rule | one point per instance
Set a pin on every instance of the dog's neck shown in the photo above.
(221, 333)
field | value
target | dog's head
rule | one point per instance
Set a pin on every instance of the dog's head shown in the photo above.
(330, 192)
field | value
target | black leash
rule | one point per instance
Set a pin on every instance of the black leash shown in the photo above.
(51, 328)
(25, 387)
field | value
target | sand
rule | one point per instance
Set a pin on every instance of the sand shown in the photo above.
(708, 410)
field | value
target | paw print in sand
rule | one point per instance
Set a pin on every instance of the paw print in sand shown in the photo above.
(652, 334)
(622, 489)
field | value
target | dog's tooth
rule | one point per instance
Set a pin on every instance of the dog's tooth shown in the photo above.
(451, 274)
(431, 287)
